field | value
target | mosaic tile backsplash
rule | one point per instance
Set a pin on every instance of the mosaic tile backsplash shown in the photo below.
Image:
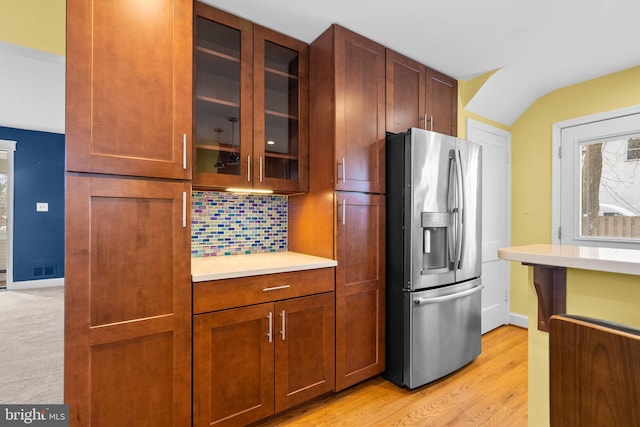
(233, 224)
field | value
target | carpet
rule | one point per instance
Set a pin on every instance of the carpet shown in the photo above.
(32, 346)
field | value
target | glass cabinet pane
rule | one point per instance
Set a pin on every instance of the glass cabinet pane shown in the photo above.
(281, 90)
(217, 98)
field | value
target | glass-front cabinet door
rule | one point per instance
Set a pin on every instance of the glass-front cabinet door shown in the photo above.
(280, 111)
(223, 94)
(251, 104)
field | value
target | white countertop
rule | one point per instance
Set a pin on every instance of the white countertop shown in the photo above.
(231, 266)
(626, 261)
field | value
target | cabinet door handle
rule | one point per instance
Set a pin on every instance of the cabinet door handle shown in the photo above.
(275, 288)
(283, 316)
(344, 170)
(344, 211)
(270, 327)
(260, 161)
(184, 151)
(425, 122)
(249, 168)
(430, 122)
(184, 209)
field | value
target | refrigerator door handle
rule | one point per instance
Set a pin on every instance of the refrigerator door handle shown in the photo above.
(460, 209)
(452, 206)
(434, 300)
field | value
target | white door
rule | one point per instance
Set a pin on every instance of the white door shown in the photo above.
(496, 220)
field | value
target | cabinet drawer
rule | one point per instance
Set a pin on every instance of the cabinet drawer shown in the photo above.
(227, 293)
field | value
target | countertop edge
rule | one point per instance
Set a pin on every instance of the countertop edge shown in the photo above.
(230, 267)
(273, 270)
(525, 254)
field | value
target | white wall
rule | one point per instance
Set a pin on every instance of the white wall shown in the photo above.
(32, 89)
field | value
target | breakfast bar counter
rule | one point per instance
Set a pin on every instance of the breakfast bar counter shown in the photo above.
(550, 262)
(598, 283)
(626, 261)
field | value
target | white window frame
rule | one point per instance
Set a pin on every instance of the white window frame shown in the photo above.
(556, 164)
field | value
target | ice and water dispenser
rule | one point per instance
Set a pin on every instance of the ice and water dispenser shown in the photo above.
(435, 253)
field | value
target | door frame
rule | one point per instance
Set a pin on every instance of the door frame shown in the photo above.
(556, 160)
(10, 148)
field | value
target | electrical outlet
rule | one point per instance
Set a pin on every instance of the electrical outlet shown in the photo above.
(42, 207)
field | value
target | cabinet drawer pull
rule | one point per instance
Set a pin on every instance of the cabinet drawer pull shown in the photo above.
(275, 288)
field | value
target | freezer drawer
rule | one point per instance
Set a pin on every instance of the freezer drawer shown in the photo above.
(444, 331)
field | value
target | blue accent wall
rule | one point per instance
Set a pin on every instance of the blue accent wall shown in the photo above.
(38, 245)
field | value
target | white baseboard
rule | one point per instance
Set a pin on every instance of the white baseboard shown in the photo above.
(34, 284)
(518, 320)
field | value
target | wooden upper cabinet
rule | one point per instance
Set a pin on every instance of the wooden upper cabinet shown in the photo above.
(251, 98)
(406, 81)
(359, 111)
(347, 110)
(420, 97)
(129, 86)
(442, 103)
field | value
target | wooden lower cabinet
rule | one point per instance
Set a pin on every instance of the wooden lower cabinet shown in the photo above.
(360, 288)
(127, 302)
(305, 356)
(233, 366)
(251, 362)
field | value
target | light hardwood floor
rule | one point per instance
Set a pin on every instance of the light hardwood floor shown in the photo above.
(491, 391)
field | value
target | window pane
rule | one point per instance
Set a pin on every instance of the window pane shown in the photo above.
(633, 149)
(610, 189)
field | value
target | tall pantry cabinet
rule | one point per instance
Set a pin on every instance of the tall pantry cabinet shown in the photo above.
(342, 216)
(128, 162)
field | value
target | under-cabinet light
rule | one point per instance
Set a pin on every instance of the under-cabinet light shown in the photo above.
(249, 191)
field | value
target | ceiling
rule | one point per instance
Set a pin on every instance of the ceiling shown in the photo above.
(535, 46)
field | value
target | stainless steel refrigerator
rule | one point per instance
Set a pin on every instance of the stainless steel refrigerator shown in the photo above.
(433, 255)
